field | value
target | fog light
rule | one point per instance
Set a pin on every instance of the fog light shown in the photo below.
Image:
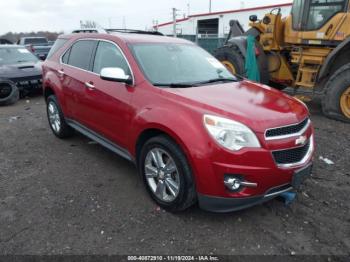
(236, 182)
(232, 183)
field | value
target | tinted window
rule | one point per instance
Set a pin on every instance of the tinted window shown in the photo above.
(65, 57)
(80, 54)
(108, 55)
(57, 45)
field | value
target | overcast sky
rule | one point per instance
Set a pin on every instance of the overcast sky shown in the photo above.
(64, 15)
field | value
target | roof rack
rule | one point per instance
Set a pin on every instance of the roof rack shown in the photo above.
(89, 30)
(133, 31)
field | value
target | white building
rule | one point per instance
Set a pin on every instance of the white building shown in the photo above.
(216, 24)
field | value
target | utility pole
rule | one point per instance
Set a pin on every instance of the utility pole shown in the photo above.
(174, 21)
(242, 5)
(209, 6)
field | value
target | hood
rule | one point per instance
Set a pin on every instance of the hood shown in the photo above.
(258, 106)
(20, 70)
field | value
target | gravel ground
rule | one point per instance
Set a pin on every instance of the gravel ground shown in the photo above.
(75, 197)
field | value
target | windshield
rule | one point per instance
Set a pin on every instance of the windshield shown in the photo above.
(321, 11)
(16, 55)
(170, 64)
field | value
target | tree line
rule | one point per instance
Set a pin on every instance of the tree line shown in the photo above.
(14, 37)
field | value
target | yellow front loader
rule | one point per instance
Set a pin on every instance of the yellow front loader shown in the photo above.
(310, 48)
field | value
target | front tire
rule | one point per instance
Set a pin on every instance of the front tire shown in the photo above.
(336, 99)
(56, 118)
(9, 93)
(167, 174)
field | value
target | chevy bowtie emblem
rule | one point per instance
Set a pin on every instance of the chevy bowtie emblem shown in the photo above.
(301, 140)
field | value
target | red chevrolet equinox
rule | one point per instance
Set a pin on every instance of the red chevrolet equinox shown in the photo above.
(195, 132)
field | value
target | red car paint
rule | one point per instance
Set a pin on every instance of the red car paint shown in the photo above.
(122, 112)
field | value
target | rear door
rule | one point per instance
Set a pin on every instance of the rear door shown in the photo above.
(76, 74)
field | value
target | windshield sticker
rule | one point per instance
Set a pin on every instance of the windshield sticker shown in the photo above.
(23, 51)
(215, 63)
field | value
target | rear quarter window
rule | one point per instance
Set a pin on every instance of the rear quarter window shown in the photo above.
(56, 46)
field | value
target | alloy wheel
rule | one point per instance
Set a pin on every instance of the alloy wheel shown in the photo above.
(162, 174)
(54, 116)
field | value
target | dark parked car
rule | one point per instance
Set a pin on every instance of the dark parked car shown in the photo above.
(20, 73)
(39, 46)
(194, 131)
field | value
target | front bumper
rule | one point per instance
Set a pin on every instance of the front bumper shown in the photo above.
(28, 84)
(230, 204)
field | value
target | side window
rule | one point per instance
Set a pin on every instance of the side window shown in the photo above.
(81, 53)
(322, 10)
(108, 55)
(65, 57)
(297, 13)
(57, 45)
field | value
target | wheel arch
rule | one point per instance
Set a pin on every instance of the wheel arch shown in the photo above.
(336, 59)
(156, 130)
(48, 90)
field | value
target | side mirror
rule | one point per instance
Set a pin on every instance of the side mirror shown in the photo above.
(253, 18)
(115, 74)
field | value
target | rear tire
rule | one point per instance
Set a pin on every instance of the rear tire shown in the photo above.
(56, 118)
(9, 93)
(336, 99)
(169, 180)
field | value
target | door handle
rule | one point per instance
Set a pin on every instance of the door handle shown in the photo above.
(89, 85)
(61, 72)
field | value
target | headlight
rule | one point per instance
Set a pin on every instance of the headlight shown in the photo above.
(230, 134)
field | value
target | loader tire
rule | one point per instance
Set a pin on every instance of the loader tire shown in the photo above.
(9, 93)
(232, 59)
(336, 97)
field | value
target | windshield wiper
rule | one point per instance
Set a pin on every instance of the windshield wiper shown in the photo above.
(215, 80)
(174, 85)
(193, 84)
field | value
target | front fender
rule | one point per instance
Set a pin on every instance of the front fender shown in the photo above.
(337, 52)
(185, 128)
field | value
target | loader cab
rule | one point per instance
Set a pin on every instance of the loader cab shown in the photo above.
(311, 15)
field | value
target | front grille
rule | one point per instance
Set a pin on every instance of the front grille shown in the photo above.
(286, 130)
(291, 156)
